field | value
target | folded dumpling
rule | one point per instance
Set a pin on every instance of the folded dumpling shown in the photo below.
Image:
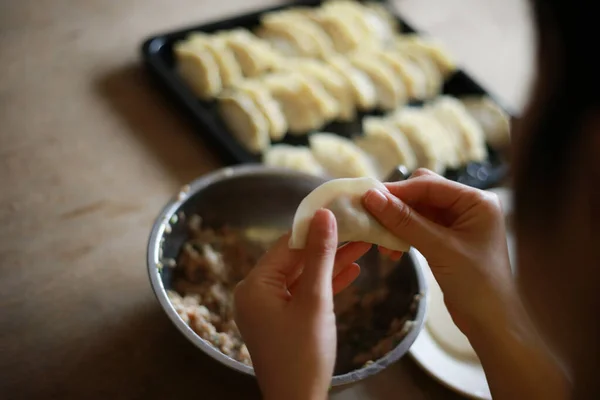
(298, 158)
(301, 101)
(287, 38)
(494, 121)
(198, 68)
(390, 91)
(344, 36)
(269, 107)
(320, 43)
(229, 69)
(416, 126)
(337, 87)
(344, 198)
(415, 79)
(245, 121)
(435, 51)
(253, 56)
(340, 157)
(451, 113)
(362, 88)
(387, 146)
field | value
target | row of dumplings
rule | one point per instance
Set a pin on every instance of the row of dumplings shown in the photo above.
(306, 89)
(444, 133)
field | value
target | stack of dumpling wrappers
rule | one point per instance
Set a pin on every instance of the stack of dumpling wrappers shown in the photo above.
(303, 68)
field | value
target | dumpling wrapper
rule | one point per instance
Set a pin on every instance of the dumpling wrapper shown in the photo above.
(245, 121)
(298, 158)
(340, 157)
(267, 105)
(199, 69)
(494, 121)
(354, 224)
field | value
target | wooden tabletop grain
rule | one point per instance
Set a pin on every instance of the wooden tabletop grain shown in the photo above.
(89, 153)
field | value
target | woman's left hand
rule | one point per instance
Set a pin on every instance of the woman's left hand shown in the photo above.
(284, 310)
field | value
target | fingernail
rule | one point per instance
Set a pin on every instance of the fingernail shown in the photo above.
(375, 200)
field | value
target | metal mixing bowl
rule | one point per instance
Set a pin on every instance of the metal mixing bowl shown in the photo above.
(257, 196)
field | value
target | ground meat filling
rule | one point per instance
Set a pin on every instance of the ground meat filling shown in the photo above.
(212, 262)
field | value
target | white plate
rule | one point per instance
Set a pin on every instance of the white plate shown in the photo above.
(463, 376)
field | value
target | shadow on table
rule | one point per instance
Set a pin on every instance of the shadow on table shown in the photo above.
(145, 357)
(156, 123)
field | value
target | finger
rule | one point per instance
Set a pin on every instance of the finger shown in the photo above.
(383, 250)
(431, 190)
(345, 278)
(404, 222)
(396, 255)
(346, 254)
(423, 172)
(319, 257)
(279, 258)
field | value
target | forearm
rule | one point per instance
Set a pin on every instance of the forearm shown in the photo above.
(517, 363)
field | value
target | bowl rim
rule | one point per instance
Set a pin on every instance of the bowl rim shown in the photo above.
(154, 273)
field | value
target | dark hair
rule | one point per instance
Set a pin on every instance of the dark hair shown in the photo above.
(566, 93)
(555, 174)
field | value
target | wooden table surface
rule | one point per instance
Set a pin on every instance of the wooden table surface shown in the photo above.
(89, 153)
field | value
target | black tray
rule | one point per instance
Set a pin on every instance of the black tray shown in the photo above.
(158, 58)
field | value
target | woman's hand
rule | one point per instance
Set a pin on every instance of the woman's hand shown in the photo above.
(461, 233)
(284, 310)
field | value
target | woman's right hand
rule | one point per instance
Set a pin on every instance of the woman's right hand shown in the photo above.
(461, 232)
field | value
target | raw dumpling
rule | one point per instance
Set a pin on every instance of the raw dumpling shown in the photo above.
(453, 115)
(494, 121)
(423, 60)
(229, 69)
(387, 146)
(390, 91)
(253, 56)
(416, 127)
(199, 69)
(298, 158)
(302, 108)
(415, 79)
(381, 21)
(356, 17)
(340, 157)
(344, 198)
(267, 105)
(436, 52)
(321, 44)
(287, 38)
(344, 37)
(332, 82)
(245, 121)
(363, 90)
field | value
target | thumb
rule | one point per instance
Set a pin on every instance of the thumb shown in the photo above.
(404, 222)
(319, 256)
